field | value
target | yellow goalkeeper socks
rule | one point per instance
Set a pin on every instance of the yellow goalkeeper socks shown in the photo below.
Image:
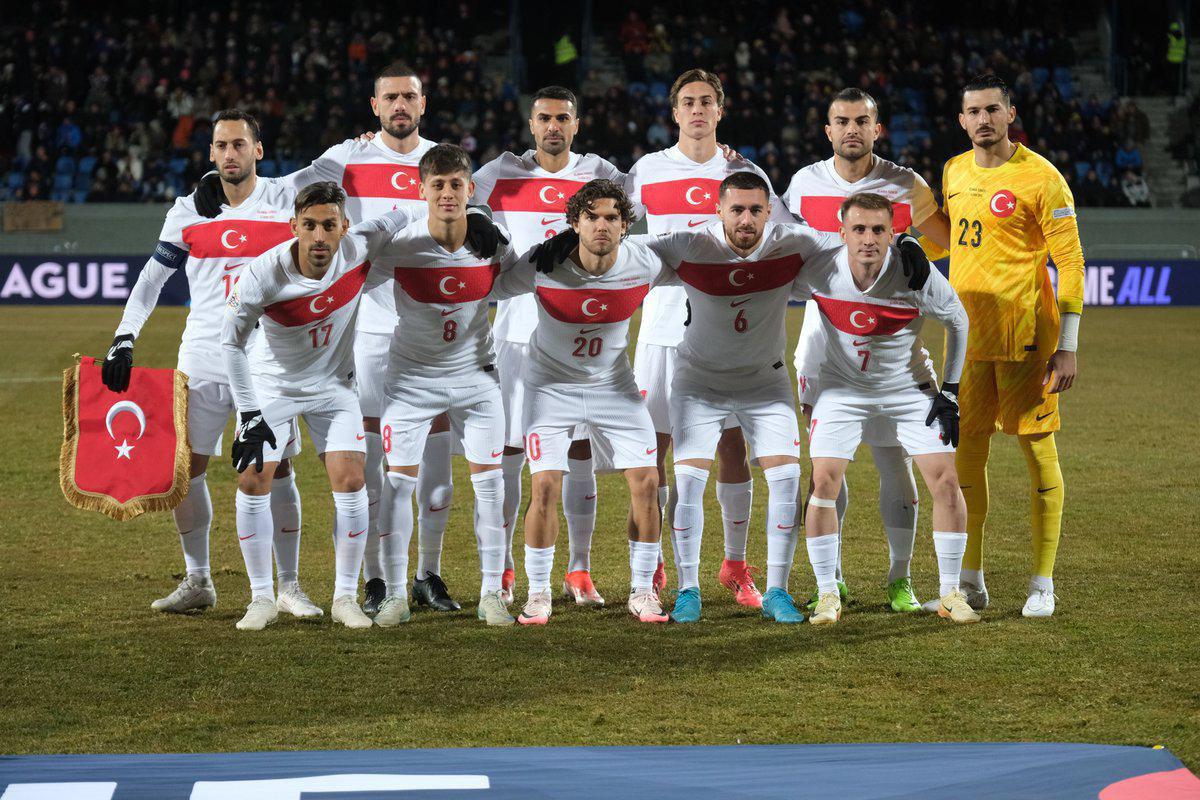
(1046, 495)
(971, 463)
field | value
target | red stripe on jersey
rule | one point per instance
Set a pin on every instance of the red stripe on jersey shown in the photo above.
(447, 285)
(223, 238)
(381, 180)
(822, 213)
(543, 195)
(743, 277)
(865, 319)
(314, 307)
(592, 306)
(696, 196)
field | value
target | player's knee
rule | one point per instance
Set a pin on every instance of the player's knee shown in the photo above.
(826, 484)
(731, 447)
(643, 484)
(545, 489)
(256, 483)
(946, 487)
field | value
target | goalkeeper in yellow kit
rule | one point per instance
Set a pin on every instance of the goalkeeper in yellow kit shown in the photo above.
(1008, 208)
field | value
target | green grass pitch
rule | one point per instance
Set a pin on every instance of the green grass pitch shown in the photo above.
(87, 667)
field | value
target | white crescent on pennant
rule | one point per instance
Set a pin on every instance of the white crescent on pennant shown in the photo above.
(122, 407)
(312, 306)
(542, 194)
(855, 322)
(225, 239)
(688, 195)
(442, 285)
(733, 276)
(584, 307)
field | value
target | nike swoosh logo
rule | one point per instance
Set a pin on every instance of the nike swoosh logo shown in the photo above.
(589, 497)
(737, 303)
(796, 442)
(451, 311)
(234, 266)
(1041, 417)
(651, 450)
(244, 538)
(384, 535)
(1043, 491)
(287, 530)
(684, 528)
(956, 194)
(586, 331)
(785, 527)
(433, 510)
(857, 343)
(546, 221)
(360, 533)
(738, 521)
(693, 222)
(360, 436)
(497, 453)
(964, 486)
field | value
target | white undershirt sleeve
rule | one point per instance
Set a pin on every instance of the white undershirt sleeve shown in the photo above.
(143, 297)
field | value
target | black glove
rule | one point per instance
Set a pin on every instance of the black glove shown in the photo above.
(555, 250)
(118, 364)
(913, 259)
(945, 411)
(248, 441)
(483, 237)
(687, 320)
(209, 195)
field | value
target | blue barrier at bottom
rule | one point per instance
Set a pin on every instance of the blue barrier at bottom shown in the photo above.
(848, 772)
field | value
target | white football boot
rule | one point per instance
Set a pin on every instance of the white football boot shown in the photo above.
(1039, 604)
(493, 611)
(259, 614)
(392, 611)
(193, 592)
(348, 612)
(292, 600)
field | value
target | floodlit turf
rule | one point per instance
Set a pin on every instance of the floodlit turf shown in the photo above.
(85, 666)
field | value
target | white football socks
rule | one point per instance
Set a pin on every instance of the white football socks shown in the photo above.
(643, 561)
(783, 492)
(688, 523)
(395, 530)
(373, 471)
(664, 497)
(897, 507)
(511, 466)
(539, 561)
(735, 500)
(350, 521)
(949, 548)
(193, 518)
(435, 489)
(579, 507)
(822, 554)
(285, 514)
(489, 527)
(255, 531)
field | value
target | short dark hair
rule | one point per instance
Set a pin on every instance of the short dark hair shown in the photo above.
(555, 93)
(852, 94)
(237, 115)
(744, 180)
(697, 76)
(398, 69)
(867, 200)
(982, 82)
(319, 194)
(444, 159)
(599, 189)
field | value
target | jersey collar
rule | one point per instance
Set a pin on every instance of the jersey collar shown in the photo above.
(531, 164)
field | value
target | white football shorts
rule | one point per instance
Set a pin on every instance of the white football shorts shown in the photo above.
(334, 422)
(370, 370)
(654, 370)
(766, 413)
(844, 417)
(475, 411)
(618, 423)
(210, 404)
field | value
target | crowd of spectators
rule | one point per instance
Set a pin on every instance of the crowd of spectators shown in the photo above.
(114, 105)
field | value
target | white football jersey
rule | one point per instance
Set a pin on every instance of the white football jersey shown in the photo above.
(738, 332)
(214, 253)
(815, 195)
(531, 204)
(376, 180)
(443, 337)
(679, 194)
(873, 335)
(306, 346)
(582, 333)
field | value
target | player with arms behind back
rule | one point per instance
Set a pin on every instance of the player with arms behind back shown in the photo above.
(1009, 208)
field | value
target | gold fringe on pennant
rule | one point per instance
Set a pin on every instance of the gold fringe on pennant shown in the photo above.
(94, 501)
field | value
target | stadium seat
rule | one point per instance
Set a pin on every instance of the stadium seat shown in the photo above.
(899, 140)
(268, 168)
(1081, 169)
(16, 180)
(83, 182)
(65, 165)
(61, 195)
(637, 89)
(63, 182)
(287, 166)
(87, 165)
(659, 90)
(177, 165)
(79, 196)
(749, 151)
(1040, 76)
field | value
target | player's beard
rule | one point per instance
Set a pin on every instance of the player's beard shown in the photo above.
(403, 131)
(238, 176)
(553, 147)
(850, 155)
(736, 236)
(600, 249)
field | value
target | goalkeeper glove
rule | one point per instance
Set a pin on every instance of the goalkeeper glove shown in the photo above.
(555, 250)
(252, 432)
(483, 235)
(118, 364)
(209, 195)
(945, 411)
(914, 261)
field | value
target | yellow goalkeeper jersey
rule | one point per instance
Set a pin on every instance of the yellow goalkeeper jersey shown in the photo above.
(1003, 222)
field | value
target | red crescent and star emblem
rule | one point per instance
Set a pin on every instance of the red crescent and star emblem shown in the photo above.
(1003, 203)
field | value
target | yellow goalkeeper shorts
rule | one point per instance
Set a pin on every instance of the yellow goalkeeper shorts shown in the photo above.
(1006, 396)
